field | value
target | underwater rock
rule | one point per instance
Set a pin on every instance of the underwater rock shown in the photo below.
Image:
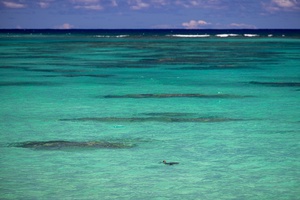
(27, 83)
(219, 67)
(53, 70)
(81, 75)
(169, 114)
(97, 75)
(14, 67)
(152, 119)
(276, 84)
(175, 96)
(58, 145)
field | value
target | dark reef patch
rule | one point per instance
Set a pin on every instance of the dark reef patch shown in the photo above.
(169, 114)
(165, 119)
(175, 96)
(81, 75)
(276, 84)
(31, 69)
(53, 70)
(65, 145)
(27, 83)
(221, 67)
(14, 67)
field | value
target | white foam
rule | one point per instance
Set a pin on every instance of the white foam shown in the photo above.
(111, 36)
(121, 36)
(251, 35)
(190, 36)
(227, 35)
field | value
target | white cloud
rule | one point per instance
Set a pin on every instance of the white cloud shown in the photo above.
(138, 4)
(160, 3)
(285, 5)
(87, 4)
(201, 22)
(246, 26)
(143, 4)
(181, 3)
(195, 24)
(114, 3)
(215, 4)
(65, 26)
(10, 4)
(43, 4)
(85, 1)
(164, 26)
(89, 7)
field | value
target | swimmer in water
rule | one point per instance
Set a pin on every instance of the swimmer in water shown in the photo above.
(170, 163)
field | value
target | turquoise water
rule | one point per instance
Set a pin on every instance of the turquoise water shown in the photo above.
(226, 107)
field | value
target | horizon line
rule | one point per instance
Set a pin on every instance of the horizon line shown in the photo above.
(61, 29)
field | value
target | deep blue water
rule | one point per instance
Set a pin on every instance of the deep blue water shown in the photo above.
(222, 103)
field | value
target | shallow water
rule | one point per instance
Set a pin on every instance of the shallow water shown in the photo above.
(225, 108)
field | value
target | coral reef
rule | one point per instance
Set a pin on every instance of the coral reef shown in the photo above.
(64, 145)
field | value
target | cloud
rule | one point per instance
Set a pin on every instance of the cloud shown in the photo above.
(138, 4)
(85, 1)
(242, 26)
(215, 4)
(89, 7)
(142, 4)
(87, 4)
(114, 3)
(43, 4)
(10, 4)
(195, 24)
(184, 3)
(65, 26)
(160, 2)
(279, 5)
(285, 3)
(163, 26)
(201, 22)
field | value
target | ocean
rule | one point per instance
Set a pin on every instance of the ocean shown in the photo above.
(92, 114)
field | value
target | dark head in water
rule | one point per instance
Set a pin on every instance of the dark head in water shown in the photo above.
(170, 163)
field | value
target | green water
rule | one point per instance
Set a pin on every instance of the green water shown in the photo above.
(236, 137)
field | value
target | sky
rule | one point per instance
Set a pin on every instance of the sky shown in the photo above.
(149, 14)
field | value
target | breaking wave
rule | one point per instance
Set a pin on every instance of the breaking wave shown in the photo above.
(222, 35)
(251, 35)
(227, 35)
(189, 36)
(111, 36)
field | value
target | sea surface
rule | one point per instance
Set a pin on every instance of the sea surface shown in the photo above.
(91, 114)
